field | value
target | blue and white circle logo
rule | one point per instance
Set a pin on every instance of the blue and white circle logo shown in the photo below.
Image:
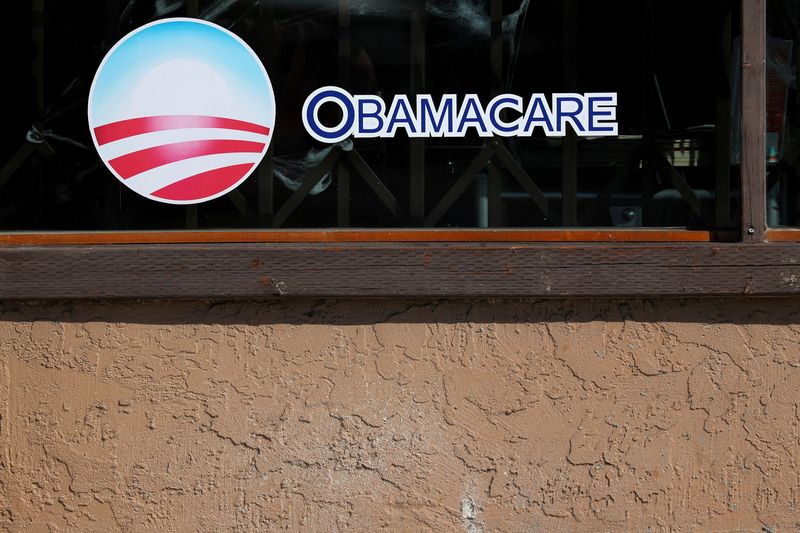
(181, 111)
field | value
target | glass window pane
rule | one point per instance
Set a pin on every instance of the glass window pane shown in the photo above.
(674, 66)
(783, 113)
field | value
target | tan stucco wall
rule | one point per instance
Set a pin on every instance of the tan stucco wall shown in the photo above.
(409, 416)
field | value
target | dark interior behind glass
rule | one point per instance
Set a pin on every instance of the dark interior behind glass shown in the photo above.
(783, 113)
(674, 64)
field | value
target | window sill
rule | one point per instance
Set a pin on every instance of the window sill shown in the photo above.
(446, 270)
(367, 236)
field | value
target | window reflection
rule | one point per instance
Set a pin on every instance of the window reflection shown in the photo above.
(674, 65)
(783, 113)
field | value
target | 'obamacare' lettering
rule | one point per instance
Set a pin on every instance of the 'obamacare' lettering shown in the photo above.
(507, 115)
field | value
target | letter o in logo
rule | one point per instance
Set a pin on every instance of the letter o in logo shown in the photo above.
(317, 99)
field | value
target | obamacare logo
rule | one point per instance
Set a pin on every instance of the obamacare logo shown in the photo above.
(507, 115)
(181, 111)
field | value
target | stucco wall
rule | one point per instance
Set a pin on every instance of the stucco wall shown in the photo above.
(459, 416)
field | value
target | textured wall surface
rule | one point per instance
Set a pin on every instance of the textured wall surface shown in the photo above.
(409, 416)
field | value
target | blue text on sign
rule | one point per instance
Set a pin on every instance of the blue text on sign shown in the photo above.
(507, 115)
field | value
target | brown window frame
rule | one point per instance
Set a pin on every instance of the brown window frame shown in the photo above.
(432, 263)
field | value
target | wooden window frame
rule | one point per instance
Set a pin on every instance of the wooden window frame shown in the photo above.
(432, 263)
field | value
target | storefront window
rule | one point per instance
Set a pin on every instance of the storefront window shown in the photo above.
(673, 65)
(783, 114)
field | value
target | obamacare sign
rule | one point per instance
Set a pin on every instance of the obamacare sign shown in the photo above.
(182, 111)
(364, 116)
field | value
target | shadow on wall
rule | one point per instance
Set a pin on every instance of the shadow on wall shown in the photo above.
(774, 311)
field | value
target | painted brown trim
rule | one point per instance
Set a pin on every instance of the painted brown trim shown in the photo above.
(754, 120)
(353, 236)
(427, 270)
(783, 235)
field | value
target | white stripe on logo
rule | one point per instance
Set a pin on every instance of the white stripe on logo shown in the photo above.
(159, 138)
(149, 182)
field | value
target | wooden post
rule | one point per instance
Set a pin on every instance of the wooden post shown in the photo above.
(754, 119)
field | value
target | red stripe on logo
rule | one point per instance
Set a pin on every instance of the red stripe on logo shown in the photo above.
(138, 126)
(130, 165)
(205, 184)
